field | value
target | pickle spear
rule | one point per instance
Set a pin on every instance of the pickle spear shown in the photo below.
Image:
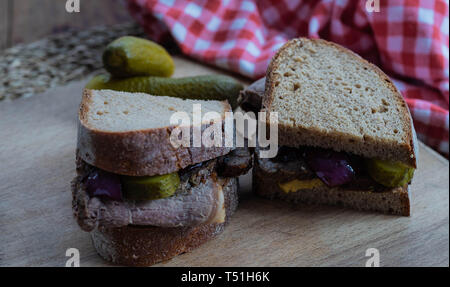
(389, 173)
(131, 56)
(211, 87)
(150, 187)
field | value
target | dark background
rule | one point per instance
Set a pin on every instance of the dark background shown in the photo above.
(24, 21)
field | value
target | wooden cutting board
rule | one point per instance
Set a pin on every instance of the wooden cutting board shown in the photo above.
(37, 152)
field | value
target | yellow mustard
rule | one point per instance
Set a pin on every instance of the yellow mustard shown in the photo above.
(296, 185)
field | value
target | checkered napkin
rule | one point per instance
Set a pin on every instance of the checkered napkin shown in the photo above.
(408, 39)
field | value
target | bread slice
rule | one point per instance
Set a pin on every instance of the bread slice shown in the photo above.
(129, 133)
(327, 96)
(145, 246)
(390, 201)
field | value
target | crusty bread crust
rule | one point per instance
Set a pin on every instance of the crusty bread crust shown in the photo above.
(145, 246)
(393, 201)
(138, 153)
(295, 136)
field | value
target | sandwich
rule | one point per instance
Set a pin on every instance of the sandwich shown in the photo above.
(345, 134)
(142, 199)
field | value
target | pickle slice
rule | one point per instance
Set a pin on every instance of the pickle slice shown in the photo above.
(389, 173)
(150, 187)
(131, 56)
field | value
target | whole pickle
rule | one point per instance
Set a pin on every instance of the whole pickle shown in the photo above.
(131, 56)
(211, 87)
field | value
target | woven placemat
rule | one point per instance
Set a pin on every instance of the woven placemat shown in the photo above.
(33, 68)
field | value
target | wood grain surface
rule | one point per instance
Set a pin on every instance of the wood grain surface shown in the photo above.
(38, 138)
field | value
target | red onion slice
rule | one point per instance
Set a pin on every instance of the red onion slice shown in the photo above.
(333, 168)
(100, 183)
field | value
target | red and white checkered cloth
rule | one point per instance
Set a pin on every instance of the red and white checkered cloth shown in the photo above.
(408, 39)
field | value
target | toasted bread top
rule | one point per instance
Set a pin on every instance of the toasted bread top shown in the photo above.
(114, 111)
(329, 97)
(129, 133)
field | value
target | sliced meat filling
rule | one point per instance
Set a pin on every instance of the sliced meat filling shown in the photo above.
(198, 199)
(250, 99)
(237, 162)
(289, 165)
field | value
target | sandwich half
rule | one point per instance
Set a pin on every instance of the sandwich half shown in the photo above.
(142, 199)
(345, 133)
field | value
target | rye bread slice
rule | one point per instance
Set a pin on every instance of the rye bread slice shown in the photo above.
(390, 201)
(329, 97)
(145, 246)
(129, 133)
